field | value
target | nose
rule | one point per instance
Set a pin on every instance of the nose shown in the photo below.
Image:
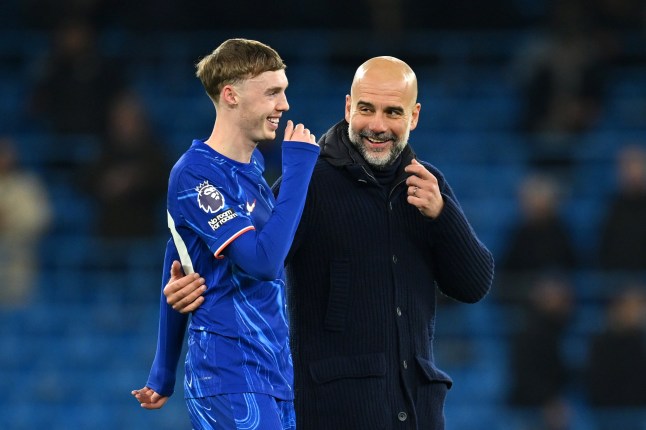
(283, 105)
(378, 123)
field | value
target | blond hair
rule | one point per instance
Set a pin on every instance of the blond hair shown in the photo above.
(233, 61)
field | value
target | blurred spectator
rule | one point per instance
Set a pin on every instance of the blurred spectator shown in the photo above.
(561, 77)
(616, 370)
(539, 241)
(129, 178)
(76, 83)
(538, 372)
(25, 213)
(622, 244)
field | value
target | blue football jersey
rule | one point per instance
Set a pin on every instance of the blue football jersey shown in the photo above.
(238, 338)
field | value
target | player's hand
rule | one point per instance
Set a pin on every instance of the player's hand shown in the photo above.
(298, 133)
(149, 399)
(423, 190)
(184, 293)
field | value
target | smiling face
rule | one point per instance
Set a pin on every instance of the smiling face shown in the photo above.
(381, 109)
(261, 103)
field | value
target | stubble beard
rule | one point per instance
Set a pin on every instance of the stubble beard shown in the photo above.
(373, 158)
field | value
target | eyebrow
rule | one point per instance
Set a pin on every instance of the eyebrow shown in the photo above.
(275, 89)
(395, 109)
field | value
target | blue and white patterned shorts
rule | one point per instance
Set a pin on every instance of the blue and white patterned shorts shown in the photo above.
(241, 411)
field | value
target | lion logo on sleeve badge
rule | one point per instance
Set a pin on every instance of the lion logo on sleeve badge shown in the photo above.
(209, 198)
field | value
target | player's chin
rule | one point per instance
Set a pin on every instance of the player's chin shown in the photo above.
(269, 135)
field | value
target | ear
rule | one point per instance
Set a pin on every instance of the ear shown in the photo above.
(415, 116)
(348, 107)
(229, 95)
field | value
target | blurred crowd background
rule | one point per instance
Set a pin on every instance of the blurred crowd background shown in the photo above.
(535, 110)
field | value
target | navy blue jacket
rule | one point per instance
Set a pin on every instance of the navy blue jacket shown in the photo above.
(362, 276)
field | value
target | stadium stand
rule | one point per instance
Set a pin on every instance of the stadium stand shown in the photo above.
(70, 358)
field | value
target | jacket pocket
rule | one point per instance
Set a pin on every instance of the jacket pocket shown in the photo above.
(337, 306)
(350, 392)
(431, 395)
(357, 366)
(432, 373)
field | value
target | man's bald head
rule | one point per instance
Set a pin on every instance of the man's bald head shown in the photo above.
(388, 71)
(382, 109)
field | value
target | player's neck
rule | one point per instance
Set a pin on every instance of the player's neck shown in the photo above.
(231, 143)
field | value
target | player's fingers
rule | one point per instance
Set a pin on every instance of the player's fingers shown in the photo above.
(140, 390)
(155, 405)
(303, 134)
(298, 132)
(154, 401)
(289, 129)
(143, 395)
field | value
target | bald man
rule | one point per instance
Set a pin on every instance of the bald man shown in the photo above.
(380, 231)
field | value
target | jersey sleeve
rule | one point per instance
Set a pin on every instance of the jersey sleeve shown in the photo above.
(211, 203)
(262, 254)
(170, 336)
